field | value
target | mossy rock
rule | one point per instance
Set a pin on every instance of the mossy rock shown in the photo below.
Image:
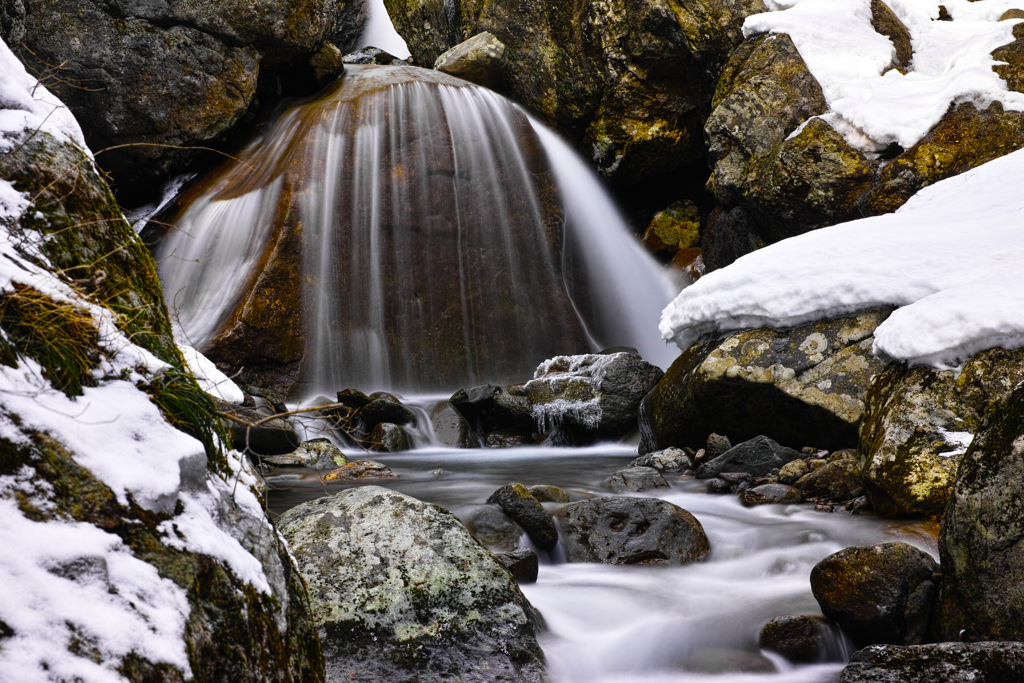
(982, 539)
(675, 227)
(803, 386)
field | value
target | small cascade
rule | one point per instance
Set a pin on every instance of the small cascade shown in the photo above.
(405, 231)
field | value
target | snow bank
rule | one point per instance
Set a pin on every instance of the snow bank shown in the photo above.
(951, 257)
(952, 62)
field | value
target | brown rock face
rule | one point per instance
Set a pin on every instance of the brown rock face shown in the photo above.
(401, 230)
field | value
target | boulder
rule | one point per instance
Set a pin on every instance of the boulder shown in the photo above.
(802, 639)
(254, 431)
(479, 59)
(390, 438)
(756, 457)
(401, 590)
(627, 83)
(838, 480)
(803, 385)
(673, 228)
(981, 540)
(619, 530)
(522, 563)
(493, 529)
(885, 22)
(636, 479)
(878, 594)
(451, 428)
(526, 511)
(919, 422)
(991, 662)
(591, 396)
(154, 78)
(548, 494)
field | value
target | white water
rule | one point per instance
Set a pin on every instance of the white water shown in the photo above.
(428, 256)
(611, 624)
(380, 32)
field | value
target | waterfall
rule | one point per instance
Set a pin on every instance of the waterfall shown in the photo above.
(405, 230)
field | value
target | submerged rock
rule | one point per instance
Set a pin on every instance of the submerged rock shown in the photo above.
(619, 530)
(802, 639)
(401, 590)
(879, 594)
(798, 386)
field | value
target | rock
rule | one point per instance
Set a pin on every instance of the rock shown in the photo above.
(506, 438)
(618, 530)
(270, 437)
(384, 407)
(327, 63)
(885, 22)
(494, 529)
(160, 77)
(360, 469)
(451, 428)
(878, 594)
(349, 25)
(835, 481)
(802, 639)
(792, 471)
(992, 662)
(964, 138)
(920, 421)
(636, 479)
(722, 661)
(627, 85)
(592, 395)
(980, 543)
(390, 438)
(803, 385)
(480, 60)
(771, 494)
(717, 444)
(316, 454)
(756, 457)
(12, 21)
(728, 234)
(526, 511)
(400, 590)
(717, 485)
(674, 228)
(548, 494)
(371, 55)
(667, 460)
(522, 563)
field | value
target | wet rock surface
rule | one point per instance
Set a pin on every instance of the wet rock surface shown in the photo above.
(803, 639)
(526, 511)
(991, 662)
(400, 589)
(878, 594)
(617, 530)
(636, 479)
(755, 457)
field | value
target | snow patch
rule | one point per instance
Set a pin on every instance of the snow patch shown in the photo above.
(210, 379)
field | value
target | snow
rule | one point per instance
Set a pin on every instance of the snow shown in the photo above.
(872, 106)
(210, 379)
(950, 257)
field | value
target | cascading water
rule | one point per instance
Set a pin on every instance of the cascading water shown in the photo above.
(402, 231)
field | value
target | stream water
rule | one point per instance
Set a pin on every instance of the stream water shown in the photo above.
(611, 624)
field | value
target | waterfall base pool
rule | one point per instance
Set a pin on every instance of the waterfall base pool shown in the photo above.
(611, 624)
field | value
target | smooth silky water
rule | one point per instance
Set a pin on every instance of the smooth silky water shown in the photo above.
(625, 624)
(363, 303)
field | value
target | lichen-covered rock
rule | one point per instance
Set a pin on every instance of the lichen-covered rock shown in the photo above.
(885, 22)
(548, 494)
(804, 639)
(771, 494)
(619, 530)
(400, 589)
(982, 532)
(806, 385)
(526, 511)
(667, 460)
(360, 469)
(838, 480)
(919, 422)
(991, 662)
(627, 82)
(673, 228)
(878, 594)
(479, 59)
(315, 454)
(156, 76)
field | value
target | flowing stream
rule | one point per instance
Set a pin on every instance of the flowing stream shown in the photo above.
(611, 624)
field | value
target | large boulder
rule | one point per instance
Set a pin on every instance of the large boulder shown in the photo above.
(879, 594)
(982, 539)
(619, 530)
(919, 422)
(991, 662)
(400, 590)
(152, 78)
(803, 386)
(627, 82)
